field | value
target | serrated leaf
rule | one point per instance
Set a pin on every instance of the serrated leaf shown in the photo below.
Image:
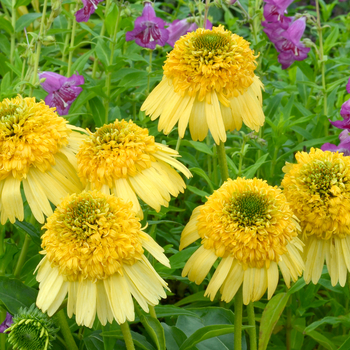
(269, 318)
(14, 294)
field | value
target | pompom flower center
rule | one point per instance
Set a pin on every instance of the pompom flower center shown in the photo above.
(211, 60)
(115, 151)
(91, 236)
(323, 177)
(248, 220)
(31, 134)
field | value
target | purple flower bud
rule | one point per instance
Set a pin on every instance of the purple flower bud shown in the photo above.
(179, 28)
(90, 6)
(149, 30)
(7, 323)
(291, 48)
(62, 91)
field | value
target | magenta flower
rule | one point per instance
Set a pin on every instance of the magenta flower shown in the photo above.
(291, 48)
(344, 146)
(62, 91)
(180, 27)
(345, 113)
(7, 323)
(90, 6)
(149, 30)
(274, 30)
(274, 11)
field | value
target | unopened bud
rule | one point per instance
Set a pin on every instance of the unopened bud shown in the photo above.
(48, 40)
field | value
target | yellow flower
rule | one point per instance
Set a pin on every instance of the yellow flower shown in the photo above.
(250, 227)
(208, 82)
(122, 158)
(37, 149)
(94, 249)
(318, 191)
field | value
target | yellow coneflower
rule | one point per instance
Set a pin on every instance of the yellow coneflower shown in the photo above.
(93, 250)
(37, 149)
(318, 190)
(208, 82)
(123, 158)
(250, 226)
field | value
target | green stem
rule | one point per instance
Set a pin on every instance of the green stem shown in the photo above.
(22, 256)
(241, 156)
(152, 311)
(38, 49)
(71, 47)
(323, 66)
(209, 158)
(65, 330)
(238, 319)
(207, 5)
(251, 322)
(222, 161)
(178, 143)
(102, 33)
(242, 8)
(127, 336)
(149, 71)
(66, 40)
(3, 336)
(13, 35)
(289, 329)
(109, 74)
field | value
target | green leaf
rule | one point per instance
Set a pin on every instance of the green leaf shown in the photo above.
(26, 20)
(6, 25)
(197, 191)
(103, 52)
(6, 82)
(98, 111)
(251, 170)
(270, 316)
(326, 320)
(172, 310)
(22, 3)
(79, 64)
(174, 337)
(206, 333)
(331, 39)
(134, 79)
(14, 69)
(154, 330)
(111, 19)
(322, 340)
(273, 105)
(32, 231)
(94, 341)
(199, 296)
(14, 294)
(201, 147)
(346, 344)
(204, 175)
(299, 284)
(178, 260)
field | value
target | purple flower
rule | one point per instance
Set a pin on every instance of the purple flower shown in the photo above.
(274, 11)
(291, 48)
(345, 113)
(180, 27)
(62, 91)
(274, 30)
(149, 30)
(348, 87)
(7, 323)
(90, 6)
(344, 146)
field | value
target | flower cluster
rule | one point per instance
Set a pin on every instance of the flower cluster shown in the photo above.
(344, 137)
(284, 32)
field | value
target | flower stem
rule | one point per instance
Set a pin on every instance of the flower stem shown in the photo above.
(22, 256)
(149, 71)
(127, 336)
(2, 247)
(71, 47)
(251, 322)
(178, 143)
(102, 33)
(13, 35)
(238, 319)
(241, 156)
(67, 334)
(152, 311)
(322, 61)
(109, 74)
(222, 161)
(38, 49)
(207, 5)
(66, 40)
(2, 335)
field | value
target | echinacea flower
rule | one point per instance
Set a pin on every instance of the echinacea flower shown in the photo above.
(62, 91)
(250, 227)
(94, 251)
(149, 29)
(6, 323)
(37, 150)
(318, 190)
(90, 6)
(208, 83)
(178, 28)
(291, 48)
(123, 158)
(31, 330)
